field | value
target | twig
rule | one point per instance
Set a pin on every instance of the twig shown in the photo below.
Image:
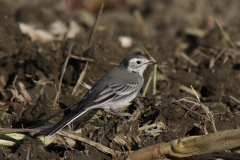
(63, 72)
(196, 94)
(200, 33)
(15, 92)
(188, 111)
(94, 25)
(81, 58)
(24, 92)
(189, 59)
(82, 75)
(188, 108)
(212, 63)
(28, 153)
(87, 86)
(225, 35)
(113, 63)
(205, 128)
(92, 143)
(14, 81)
(234, 99)
(10, 130)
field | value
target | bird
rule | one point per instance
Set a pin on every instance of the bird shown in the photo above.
(116, 88)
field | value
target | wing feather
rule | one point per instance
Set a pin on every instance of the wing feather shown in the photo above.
(113, 92)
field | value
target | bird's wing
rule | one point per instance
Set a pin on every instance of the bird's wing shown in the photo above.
(113, 92)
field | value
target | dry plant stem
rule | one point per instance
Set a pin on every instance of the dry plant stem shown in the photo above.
(190, 146)
(200, 33)
(205, 108)
(10, 130)
(63, 72)
(146, 127)
(225, 35)
(82, 75)
(87, 86)
(82, 58)
(113, 63)
(94, 26)
(14, 81)
(196, 94)
(185, 100)
(92, 143)
(28, 153)
(189, 109)
(210, 116)
(66, 134)
(235, 99)
(218, 56)
(189, 59)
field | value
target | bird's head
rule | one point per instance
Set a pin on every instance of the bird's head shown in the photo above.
(136, 63)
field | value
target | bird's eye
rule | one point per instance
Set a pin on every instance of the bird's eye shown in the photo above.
(138, 62)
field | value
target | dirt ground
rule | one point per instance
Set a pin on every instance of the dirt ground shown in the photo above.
(182, 36)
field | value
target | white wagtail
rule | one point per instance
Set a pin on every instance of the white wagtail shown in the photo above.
(115, 89)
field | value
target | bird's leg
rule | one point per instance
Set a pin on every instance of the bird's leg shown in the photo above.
(119, 116)
(105, 121)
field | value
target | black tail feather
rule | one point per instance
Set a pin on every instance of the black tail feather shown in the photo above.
(62, 123)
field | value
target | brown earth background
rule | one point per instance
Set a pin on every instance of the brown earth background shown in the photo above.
(196, 43)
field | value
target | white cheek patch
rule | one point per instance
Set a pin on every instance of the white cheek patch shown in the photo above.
(133, 65)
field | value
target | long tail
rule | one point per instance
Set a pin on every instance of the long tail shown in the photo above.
(67, 119)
